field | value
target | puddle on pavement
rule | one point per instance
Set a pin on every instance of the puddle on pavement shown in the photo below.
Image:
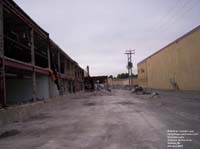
(9, 133)
(125, 103)
(90, 104)
(41, 116)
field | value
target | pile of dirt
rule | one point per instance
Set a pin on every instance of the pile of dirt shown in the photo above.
(138, 90)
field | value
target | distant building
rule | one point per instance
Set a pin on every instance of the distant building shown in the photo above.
(100, 82)
(174, 67)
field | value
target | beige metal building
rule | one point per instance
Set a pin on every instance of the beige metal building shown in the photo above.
(174, 67)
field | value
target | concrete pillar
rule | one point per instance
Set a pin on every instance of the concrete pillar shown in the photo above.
(49, 66)
(58, 61)
(70, 68)
(59, 70)
(71, 87)
(33, 63)
(48, 54)
(2, 66)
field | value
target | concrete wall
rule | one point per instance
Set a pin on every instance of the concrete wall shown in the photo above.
(79, 85)
(26, 111)
(42, 87)
(121, 82)
(54, 92)
(66, 86)
(110, 82)
(175, 67)
(18, 90)
(64, 83)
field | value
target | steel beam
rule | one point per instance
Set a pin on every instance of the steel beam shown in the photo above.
(12, 7)
(2, 65)
(49, 66)
(21, 65)
(33, 63)
(42, 70)
(17, 64)
(58, 61)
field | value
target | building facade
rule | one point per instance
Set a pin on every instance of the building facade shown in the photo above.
(174, 67)
(32, 66)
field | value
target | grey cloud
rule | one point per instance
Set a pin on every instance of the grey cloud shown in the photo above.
(97, 32)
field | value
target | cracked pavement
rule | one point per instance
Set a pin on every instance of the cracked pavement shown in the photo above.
(117, 120)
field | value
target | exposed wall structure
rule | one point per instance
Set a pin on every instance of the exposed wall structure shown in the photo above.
(32, 66)
(79, 75)
(68, 73)
(174, 67)
(100, 80)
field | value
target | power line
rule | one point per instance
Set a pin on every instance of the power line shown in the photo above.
(129, 54)
(186, 11)
(174, 19)
(170, 16)
(171, 11)
(163, 19)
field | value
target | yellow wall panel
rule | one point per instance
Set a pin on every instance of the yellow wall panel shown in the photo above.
(175, 67)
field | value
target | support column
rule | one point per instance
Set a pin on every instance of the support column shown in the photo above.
(2, 65)
(33, 63)
(48, 54)
(70, 68)
(59, 80)
(49, 66)
(58, 61)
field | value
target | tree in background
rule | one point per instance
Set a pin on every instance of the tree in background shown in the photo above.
(111, 76)
(122, 76)
(125, 76)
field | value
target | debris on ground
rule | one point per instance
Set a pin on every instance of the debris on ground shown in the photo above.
(137, 89)
(141, 91)
(109, 90)
(154, 94)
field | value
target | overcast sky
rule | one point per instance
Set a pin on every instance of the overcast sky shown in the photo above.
(97, 32)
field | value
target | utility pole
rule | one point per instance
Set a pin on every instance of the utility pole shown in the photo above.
(130, 65)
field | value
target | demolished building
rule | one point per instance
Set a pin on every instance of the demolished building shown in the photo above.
(32, 66)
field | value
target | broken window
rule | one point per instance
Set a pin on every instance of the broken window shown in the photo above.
(41, 51)
(62, 64)
(17, 38)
